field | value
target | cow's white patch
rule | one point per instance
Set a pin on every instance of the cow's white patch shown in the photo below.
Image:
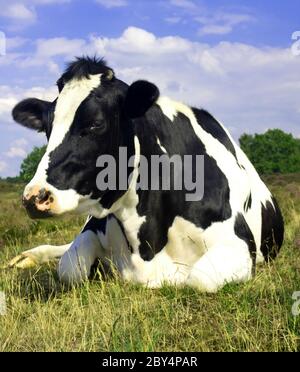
(70, 98)
(185, 260)
(169, 107)
(75, 265)
(223, 263)
(259, 192)
(163, 149)
(125, 208)
(241, 181)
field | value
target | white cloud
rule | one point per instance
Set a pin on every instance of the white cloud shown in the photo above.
(112, 3)
(47, 48)
(249, 88)
(22, 13)
(6, 104)
(3, 166)
(16, 152)
(21, 142)
(46, 2)
(18, 148)
(10, 96)
(173, 20)
(213, 22)
(185, 4)
(215, 30)
(222, 23)
(45, 53)
(18, 11)
(15, 42)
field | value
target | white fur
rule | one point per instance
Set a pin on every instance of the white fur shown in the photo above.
(186, 260)
(126, 211)
(241, 181)
(204, 259)
(163, 149)
(75, 264)
(70, 98)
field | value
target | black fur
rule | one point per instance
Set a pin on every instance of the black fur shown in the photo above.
(140, 97)
(82, 67)
(242, 230)
(31, 113)
(272, 230)
(248, 203)
(110, 117)
(210, 125)
(96, 225)
(161, 207)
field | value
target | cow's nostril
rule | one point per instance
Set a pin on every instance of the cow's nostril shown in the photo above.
(43, 196)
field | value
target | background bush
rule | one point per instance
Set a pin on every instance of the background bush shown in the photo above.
(272, 152)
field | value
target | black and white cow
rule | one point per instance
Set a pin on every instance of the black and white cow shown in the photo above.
(151, 237)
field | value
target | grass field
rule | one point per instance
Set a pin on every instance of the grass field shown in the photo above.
(42, 315)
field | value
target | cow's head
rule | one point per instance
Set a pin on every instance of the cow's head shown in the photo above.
(91, 116)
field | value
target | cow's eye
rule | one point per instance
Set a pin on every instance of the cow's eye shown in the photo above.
(98, 127)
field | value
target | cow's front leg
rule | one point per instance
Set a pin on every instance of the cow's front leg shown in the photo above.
(220, 265)
(75, 265)
(37, 256)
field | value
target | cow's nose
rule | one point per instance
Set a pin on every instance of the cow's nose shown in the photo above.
(38, 202)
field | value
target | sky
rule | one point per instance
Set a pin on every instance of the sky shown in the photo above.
(235, 58)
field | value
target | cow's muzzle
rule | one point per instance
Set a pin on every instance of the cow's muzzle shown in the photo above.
(39, 202)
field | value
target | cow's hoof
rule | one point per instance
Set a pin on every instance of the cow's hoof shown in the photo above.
(22, 261)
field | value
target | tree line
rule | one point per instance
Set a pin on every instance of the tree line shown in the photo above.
(271, 152)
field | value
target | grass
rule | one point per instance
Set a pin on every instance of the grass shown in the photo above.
(110, 315)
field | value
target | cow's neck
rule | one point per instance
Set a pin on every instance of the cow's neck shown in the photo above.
(125, 209)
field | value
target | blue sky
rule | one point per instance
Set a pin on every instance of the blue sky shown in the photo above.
(231, 57)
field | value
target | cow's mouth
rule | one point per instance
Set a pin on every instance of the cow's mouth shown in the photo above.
(32, 208)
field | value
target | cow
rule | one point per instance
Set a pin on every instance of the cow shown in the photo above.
(151, 237)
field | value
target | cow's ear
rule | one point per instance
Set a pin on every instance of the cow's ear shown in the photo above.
(140, 97)
(30, 113)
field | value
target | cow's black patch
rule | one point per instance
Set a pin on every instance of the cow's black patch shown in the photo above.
(32, 113)
(109, 118)
(161, 207)
(248, 203)
(83, 67)
(140, 97)
(98, 128)
(211, 125)
(96, 225)
(272, 230)
(242, 230)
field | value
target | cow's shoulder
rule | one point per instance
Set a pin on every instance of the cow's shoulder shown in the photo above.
(169, 127)
(215, 128)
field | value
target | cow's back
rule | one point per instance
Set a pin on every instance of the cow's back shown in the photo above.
(249, 196)
(260, 208)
